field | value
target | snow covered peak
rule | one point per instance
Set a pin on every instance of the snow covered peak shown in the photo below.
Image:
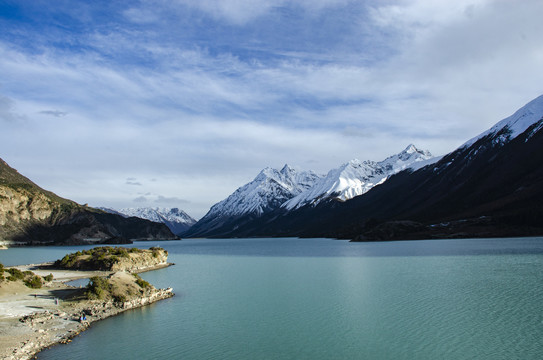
(357, 177)
(266, 192)
(176, 219)
(405, 159)
(413, 150)
(410, 149)
(287, 170)
(515, 124)
(157, 214)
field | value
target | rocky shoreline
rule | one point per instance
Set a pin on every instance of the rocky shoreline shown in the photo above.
(44, 326)
(33, 320)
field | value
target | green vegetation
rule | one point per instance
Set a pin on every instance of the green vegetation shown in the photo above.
(33, 282)
(118, 290)
(142, 283)
(120, 298)
(48, 278)
(156, 251)
(15, 274)
(98, 288)
(101, 258)
(28, 277)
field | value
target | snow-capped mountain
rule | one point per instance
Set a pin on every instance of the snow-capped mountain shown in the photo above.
(358, 177)
(267, 192)
(175, 219)
(514, 125)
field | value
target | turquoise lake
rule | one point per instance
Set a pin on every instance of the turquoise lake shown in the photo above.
(327, 299)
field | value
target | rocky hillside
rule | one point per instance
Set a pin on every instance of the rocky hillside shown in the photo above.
(30, 215)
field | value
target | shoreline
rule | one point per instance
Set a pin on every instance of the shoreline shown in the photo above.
(32, 320)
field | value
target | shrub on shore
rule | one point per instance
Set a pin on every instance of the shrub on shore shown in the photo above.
(141, 283)
(98, 288)
(33, 282)
(28, 277)
(15, 274)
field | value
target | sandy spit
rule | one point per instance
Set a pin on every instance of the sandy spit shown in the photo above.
(34, 319)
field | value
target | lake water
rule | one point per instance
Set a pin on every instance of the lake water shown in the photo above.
(327, 299)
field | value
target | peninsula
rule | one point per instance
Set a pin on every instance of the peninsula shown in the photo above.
(38, 309)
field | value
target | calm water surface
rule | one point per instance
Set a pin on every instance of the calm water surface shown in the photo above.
(327, 299)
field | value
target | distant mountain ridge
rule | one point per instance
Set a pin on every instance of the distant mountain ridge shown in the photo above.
(175, 219)
(30, 215)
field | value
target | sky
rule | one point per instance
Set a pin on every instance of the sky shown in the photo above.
(176, 103)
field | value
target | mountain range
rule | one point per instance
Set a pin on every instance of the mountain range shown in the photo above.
(30, 215)
(288, 189)
(490, 186)
(175, 219)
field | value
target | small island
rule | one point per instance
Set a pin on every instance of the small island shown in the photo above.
(38, 309)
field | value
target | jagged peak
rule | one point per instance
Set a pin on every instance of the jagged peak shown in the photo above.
(410, 149)
(287, 169)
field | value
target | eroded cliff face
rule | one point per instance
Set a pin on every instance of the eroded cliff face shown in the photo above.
(23, 208)
(20, 205)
